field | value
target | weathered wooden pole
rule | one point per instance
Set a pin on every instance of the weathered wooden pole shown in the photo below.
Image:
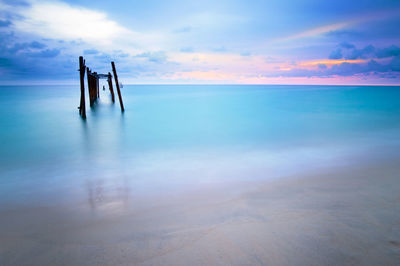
(94, 87)
(91, 90)
(109, 80)
(94, 90)
(89, 80)
(96, 79)
(117, 85)
(82, 108)
(91, 85)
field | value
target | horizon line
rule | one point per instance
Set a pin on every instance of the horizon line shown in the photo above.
(207, 84)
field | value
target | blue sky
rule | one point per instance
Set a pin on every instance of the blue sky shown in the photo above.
(244, 42)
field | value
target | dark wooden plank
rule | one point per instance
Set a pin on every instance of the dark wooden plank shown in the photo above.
(117, 85)
(82, 107)
(96, 83)
(92, 88)
(109, 80)
(89, 80)
(102, 76)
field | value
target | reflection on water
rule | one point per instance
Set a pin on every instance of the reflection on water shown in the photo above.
(95, 193)
(108, 194)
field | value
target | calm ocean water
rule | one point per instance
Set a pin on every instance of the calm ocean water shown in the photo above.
(174, 137)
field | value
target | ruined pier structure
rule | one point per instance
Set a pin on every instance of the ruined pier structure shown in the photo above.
(93, 86)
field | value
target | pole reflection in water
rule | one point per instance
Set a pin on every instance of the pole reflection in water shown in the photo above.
(108, 194)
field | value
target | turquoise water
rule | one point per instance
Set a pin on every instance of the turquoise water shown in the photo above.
(175, 137)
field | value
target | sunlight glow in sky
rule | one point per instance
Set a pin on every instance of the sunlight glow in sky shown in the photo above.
(243, 42)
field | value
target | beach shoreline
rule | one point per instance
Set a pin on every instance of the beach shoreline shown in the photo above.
(347, 216)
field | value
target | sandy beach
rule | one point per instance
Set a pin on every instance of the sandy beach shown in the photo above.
(348, 216)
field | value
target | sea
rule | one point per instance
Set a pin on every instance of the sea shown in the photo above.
(178, 138)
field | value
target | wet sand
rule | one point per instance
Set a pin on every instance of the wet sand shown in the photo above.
(348, 216)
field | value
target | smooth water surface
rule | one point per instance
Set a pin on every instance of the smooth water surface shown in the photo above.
(183, 136)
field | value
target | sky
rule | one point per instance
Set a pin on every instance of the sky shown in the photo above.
(202, 42)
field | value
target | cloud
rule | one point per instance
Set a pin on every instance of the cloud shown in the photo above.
(345, 69)
(37, 45)
(17, 47)
(329, 62)
(58, 20)
(120, 54)
(367, 61)
(336, 54)
(5, 62)
(395, 64)
(156, 57)
(343, 34)
(16, 2)
(188, 49)
(219, 49)
(388, 52)
(343, 26)
(346, 45)
(38, 56)
(39, 64)
(366, 52)
(246, 53)
(75, 25)
(183, 29)
(55, 33)
(103, 58)
(5, 23)
(32, 60)
(204, 76)
(90, 51)
(48, 53)
(317, 31)
(369, 51)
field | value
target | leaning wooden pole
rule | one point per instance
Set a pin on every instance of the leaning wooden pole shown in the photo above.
(109, 80)
(82, 108)
(117, 85)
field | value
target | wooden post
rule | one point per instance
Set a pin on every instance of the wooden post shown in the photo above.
(91, 90)
(96, 81)
(109, 80)
(91, 85)
(94, 89)
(98, 87)
(82, 108)
(90, 82)
(117, 85)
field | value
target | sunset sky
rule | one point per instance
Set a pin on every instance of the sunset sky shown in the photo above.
(228, 42)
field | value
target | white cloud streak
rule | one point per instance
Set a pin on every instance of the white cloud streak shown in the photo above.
(343, 24)
(59, 20)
